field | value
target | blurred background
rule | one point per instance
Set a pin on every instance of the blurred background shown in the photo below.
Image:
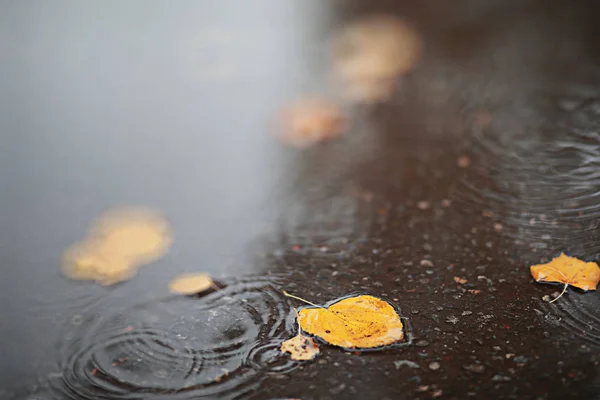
(483, 160)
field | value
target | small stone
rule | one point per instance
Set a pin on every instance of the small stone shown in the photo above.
(520, 359)
(452, 319)
(339, 389)
(423, 388)
(497, 348)
(422, 343)
(405, 363)
(437, 393)
(423, 205)
(500, 378)
(446, 203)
(498, 227)
(466, 313)
(426, 263)
(477, 368)
(434, 366)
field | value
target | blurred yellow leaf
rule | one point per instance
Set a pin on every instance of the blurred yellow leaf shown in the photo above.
(119, 242)
(191, 283)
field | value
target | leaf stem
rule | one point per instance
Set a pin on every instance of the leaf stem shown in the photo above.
(301, 299)
(561, 293)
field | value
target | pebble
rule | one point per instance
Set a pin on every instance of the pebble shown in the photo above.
(423, 205)
(500, 378)
(426, 263)
(477, 368)
(434, 366)
(339, 389)
(520, 359)
(422, 343)
(405, 363)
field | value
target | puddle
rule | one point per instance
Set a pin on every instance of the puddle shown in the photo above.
(220, 345)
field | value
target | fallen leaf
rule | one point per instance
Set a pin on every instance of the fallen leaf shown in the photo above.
(308, 121)
(370, 54)
(357, 322)
(568, 270)
(191, 283)
(459, 280)
(139, 235)
(119, 242)
(300, 347)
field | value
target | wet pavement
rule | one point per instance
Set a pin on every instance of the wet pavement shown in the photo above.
(485, 161)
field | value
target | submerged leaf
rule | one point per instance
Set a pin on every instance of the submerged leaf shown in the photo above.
(358, 322)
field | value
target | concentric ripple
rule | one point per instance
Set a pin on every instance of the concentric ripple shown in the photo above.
(221, 345)
(576, 314)
(542, 183)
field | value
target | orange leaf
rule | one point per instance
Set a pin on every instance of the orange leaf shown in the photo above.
(191, 283)
(459, 280)
(568, 270)
(300, 347)
(358, 322)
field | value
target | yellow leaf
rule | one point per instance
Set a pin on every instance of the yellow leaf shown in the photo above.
(358, 322)
(568, 270)
(136, 234)
(191, 283)
(120, 241)
(300, 347)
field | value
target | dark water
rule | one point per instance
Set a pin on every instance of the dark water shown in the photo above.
(223, 344)
(112, 103)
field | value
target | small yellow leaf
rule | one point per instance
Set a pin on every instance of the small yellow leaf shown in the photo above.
(358, 322)
(300, 347)
(568, 270)
(191, 283)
